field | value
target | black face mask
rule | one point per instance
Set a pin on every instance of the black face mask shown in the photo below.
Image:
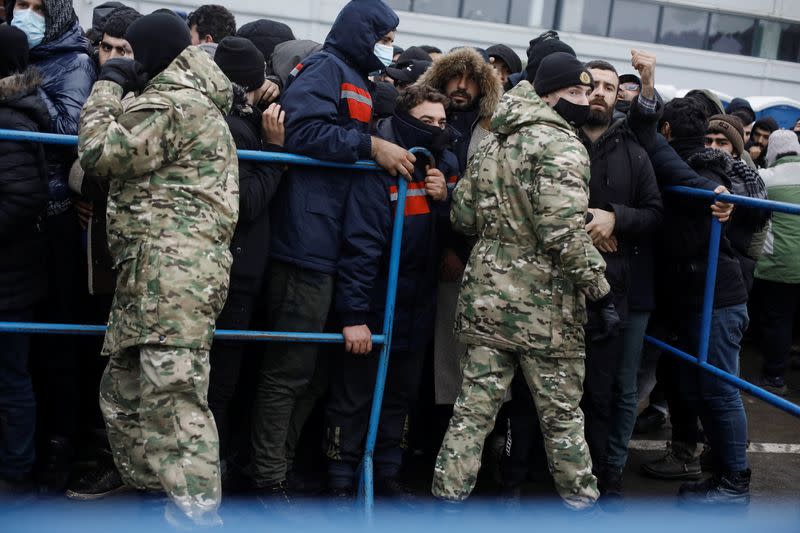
(574, 114)
(623, 106)
(413, 132)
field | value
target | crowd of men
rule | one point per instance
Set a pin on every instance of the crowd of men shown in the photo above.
(539, 247)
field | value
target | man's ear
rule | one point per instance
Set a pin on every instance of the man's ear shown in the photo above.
(208, 39)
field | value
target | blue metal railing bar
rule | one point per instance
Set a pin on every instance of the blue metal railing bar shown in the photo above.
(249, 155)
(225, 334)
(744, 201)
(736, 381)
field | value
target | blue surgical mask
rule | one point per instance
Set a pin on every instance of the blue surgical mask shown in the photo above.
(384, 53)
(31, 23)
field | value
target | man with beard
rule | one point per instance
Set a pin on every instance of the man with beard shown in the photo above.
(626, 206)
(473, 89)
(523, 300)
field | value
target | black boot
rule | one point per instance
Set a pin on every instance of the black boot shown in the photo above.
(729, 488)
(102, 481)
(275, 497)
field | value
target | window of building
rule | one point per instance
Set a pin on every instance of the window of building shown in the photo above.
(635, 21)
(731, 34)
(778, 40)
(683, 27)
(445, 8)
(584, 16)
(533, 13)
(400, 5)
(488, 10)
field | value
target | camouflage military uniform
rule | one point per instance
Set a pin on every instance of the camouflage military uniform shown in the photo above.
(172, 208)
(522, 299)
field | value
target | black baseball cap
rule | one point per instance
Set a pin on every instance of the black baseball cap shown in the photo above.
(408, 71)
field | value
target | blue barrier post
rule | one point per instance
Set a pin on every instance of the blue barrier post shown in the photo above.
(365, 488)
(708, 296)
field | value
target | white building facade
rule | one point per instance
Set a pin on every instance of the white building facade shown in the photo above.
(737, 47)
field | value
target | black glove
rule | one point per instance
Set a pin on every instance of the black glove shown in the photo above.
(126, 73)
(607, 321)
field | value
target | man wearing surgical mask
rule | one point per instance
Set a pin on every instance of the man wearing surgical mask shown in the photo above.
(62, 55)
(328, 112)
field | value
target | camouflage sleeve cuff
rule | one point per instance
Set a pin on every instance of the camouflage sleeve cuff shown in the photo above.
(108, 87)
(596, 291)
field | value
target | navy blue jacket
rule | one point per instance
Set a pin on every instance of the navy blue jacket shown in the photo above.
(68, 73)
(363, 271)
(328, 111)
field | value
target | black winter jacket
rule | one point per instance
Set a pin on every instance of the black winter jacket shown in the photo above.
(23, 193)
(687, 226)
(364, 265)
(622, 181)
(257, 185)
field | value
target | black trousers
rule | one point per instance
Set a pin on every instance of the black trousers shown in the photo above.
(347, 412)
(524, 447)
(602, 361)
(226, 363)
(777, 308)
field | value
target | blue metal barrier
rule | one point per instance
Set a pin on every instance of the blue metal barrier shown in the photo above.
(708, 297)
(366, 469)
(383, 339)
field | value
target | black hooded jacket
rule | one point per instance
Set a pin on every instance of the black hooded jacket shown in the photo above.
(23, 193)
(687, 225)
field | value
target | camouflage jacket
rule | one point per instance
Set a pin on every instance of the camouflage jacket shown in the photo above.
(525, 195)
(173, 201)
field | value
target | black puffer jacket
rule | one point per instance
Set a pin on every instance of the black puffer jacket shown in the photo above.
(23, 193)
(68, 73)
(623, 181)
(257, 185)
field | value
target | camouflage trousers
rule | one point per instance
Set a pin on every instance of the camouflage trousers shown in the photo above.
(556, 385)
(161, 431)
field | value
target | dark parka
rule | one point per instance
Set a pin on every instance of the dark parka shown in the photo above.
(364, 264)
(623, 181)
(328, 112)
(687, 225)
(68, 74)
(23, 193)
(257, 185)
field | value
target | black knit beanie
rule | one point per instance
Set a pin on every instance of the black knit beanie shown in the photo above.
(156, 40)
(266, 34)
(507, 55)
(560, 70)
(541, 47)
(241, 62)
(13, 50)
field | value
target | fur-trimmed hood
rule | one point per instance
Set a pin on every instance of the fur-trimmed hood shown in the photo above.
(21, 92)
(714, 160)
(21, 84)
(456, 63)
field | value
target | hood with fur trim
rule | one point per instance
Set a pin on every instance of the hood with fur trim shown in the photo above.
(461, 60)
(20, 91)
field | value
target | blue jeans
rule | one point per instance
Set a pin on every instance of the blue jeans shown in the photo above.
(17, 405)
(625, 397)
(719, 403)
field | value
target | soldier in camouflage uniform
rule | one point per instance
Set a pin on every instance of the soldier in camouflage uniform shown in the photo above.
(172, 208)
(525, 195)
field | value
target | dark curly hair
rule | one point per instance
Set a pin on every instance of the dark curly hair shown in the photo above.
(213, 20)
(413, 95)
(118, 21)
(686, 118)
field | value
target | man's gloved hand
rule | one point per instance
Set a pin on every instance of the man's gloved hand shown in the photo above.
(608, 322)
(126, 73)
